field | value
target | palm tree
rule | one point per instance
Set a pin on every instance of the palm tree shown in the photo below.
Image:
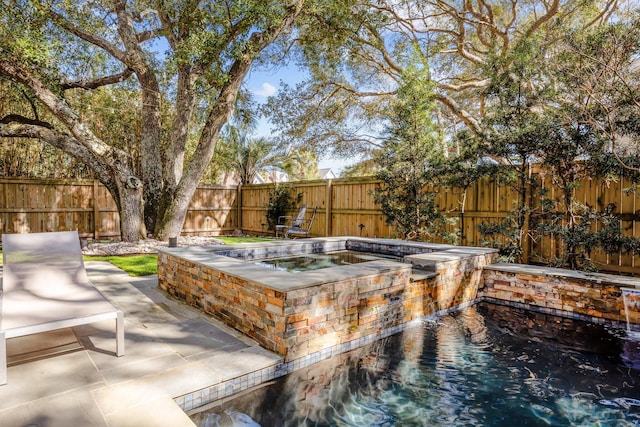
(248, 157)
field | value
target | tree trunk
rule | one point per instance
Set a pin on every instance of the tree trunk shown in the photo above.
(151, 163)
(131, 212)
(173, 155)
(174, 213)
(174, 204)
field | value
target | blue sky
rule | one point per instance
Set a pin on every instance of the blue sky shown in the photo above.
(263, 83)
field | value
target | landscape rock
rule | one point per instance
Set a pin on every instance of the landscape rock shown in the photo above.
(145, 246)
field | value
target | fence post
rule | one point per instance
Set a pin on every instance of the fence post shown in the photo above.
(239, 202)
(328, 207)
(526, 231)
(96, 210)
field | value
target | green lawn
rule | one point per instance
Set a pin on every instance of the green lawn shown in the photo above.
(134, 265)
(230, 240)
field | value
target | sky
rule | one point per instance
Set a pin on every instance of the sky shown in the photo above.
(265, 83)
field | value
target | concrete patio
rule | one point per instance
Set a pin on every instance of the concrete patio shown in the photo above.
(72, 377)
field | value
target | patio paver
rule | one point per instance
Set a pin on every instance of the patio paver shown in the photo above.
(72, 377)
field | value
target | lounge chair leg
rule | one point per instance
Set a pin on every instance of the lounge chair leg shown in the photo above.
(120, 334)
(3, 359)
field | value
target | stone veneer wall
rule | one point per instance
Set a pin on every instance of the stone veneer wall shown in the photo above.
(334, 313)
(299, 322)
(590, 296)
(459, 275)
(250, 307)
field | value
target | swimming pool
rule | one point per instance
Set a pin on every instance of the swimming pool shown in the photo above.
(486, 365)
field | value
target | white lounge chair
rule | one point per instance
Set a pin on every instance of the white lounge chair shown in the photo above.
(45, 287)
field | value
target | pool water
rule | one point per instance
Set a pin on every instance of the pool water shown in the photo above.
(486, 365)
(309, 262)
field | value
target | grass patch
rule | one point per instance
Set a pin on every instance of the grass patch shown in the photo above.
(232, 240)
(134, 265)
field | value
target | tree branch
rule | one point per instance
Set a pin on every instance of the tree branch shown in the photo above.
(16, 118)
(356, 92)
(148, 35)
(86, 36)
(62, 112)
(102, 81)
(463, 115)
(550, 13)
(20, 127)
(476, 84)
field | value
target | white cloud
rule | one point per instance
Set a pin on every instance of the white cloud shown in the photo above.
(266, 90)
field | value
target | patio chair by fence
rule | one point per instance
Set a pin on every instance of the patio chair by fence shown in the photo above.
(45, 287)
(286, 222)
(303, 229)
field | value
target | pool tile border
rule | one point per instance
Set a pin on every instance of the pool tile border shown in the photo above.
(225, 389)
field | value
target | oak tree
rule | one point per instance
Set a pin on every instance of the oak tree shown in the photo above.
(185, 60)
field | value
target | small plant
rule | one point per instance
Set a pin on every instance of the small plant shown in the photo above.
(581, 237)
(281, 201)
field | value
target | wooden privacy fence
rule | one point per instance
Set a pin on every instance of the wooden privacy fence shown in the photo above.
(345, 207)
(36, 205)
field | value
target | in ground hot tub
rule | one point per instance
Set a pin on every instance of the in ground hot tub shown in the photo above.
(318, 261)
(333, 309)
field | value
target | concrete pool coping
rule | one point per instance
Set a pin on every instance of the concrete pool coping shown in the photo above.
(281, 280)
(217, 257)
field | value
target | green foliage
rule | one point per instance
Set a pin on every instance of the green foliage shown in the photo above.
(410, 161)
(589, 229)
(599, 68)
(185, 63)
(281, 201)
(246, 157)
(301, 164)
(505, 235)
(517, 133)
(577, 149)
(364, 168)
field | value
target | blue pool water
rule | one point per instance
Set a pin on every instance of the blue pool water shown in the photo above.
(486, 365)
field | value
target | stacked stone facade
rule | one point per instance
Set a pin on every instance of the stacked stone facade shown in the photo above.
(294, 322)
(590, 296)
(249, 307)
